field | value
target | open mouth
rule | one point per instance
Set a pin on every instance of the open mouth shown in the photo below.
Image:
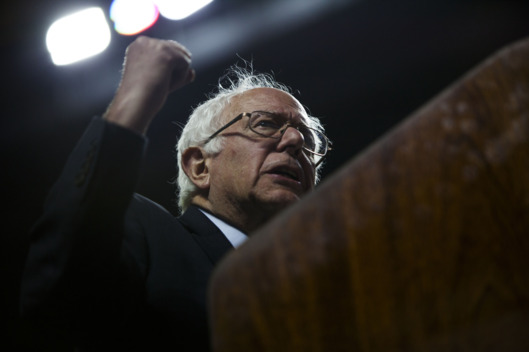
(290, 173)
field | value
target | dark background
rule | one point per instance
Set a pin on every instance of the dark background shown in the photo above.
(362, 66)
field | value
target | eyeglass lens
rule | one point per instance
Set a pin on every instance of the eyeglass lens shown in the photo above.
(271, 125)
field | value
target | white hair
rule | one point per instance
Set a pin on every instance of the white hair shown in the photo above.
(204, 121)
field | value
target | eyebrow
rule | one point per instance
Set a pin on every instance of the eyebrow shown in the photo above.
(287, 117)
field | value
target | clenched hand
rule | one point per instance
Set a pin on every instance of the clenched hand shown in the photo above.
(153, 68)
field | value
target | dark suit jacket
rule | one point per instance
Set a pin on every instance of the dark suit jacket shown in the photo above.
(110, 269)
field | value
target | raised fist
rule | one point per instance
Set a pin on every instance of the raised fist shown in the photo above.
(152, 69)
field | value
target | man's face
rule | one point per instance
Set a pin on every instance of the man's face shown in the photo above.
(255, 173)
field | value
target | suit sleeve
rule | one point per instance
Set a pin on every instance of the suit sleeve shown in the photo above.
(77, 267)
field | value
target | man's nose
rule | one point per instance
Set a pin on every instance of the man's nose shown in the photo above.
(292, 139)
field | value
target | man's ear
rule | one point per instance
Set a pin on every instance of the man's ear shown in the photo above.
(194, 166)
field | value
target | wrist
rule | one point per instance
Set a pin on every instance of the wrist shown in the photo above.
(130, 113)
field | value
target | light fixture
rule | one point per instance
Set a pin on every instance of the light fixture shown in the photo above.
(78, 36)
(133, 16)
(177, 10)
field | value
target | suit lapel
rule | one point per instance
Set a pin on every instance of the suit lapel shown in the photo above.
(207, 235)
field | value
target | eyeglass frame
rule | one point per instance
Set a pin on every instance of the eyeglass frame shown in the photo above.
(284, 129)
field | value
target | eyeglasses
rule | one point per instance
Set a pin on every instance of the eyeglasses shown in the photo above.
(270, 125)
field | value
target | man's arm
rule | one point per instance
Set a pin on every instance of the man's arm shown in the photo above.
(77, 263)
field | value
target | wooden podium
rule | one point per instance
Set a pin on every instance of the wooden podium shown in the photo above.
(419, 244)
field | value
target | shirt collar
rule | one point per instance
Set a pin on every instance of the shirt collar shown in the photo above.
(234, 235)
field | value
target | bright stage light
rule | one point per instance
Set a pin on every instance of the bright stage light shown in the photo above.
(133, 16)
(78, 36)
(179, 9)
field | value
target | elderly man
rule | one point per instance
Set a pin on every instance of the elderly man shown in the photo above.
(110, 269)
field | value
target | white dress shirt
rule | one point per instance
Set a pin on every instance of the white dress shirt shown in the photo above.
(235, 236)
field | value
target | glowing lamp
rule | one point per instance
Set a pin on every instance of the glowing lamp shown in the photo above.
(178, 9)
(78, 36)
(133, 16)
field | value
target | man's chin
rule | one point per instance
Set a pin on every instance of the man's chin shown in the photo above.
(281, 199)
